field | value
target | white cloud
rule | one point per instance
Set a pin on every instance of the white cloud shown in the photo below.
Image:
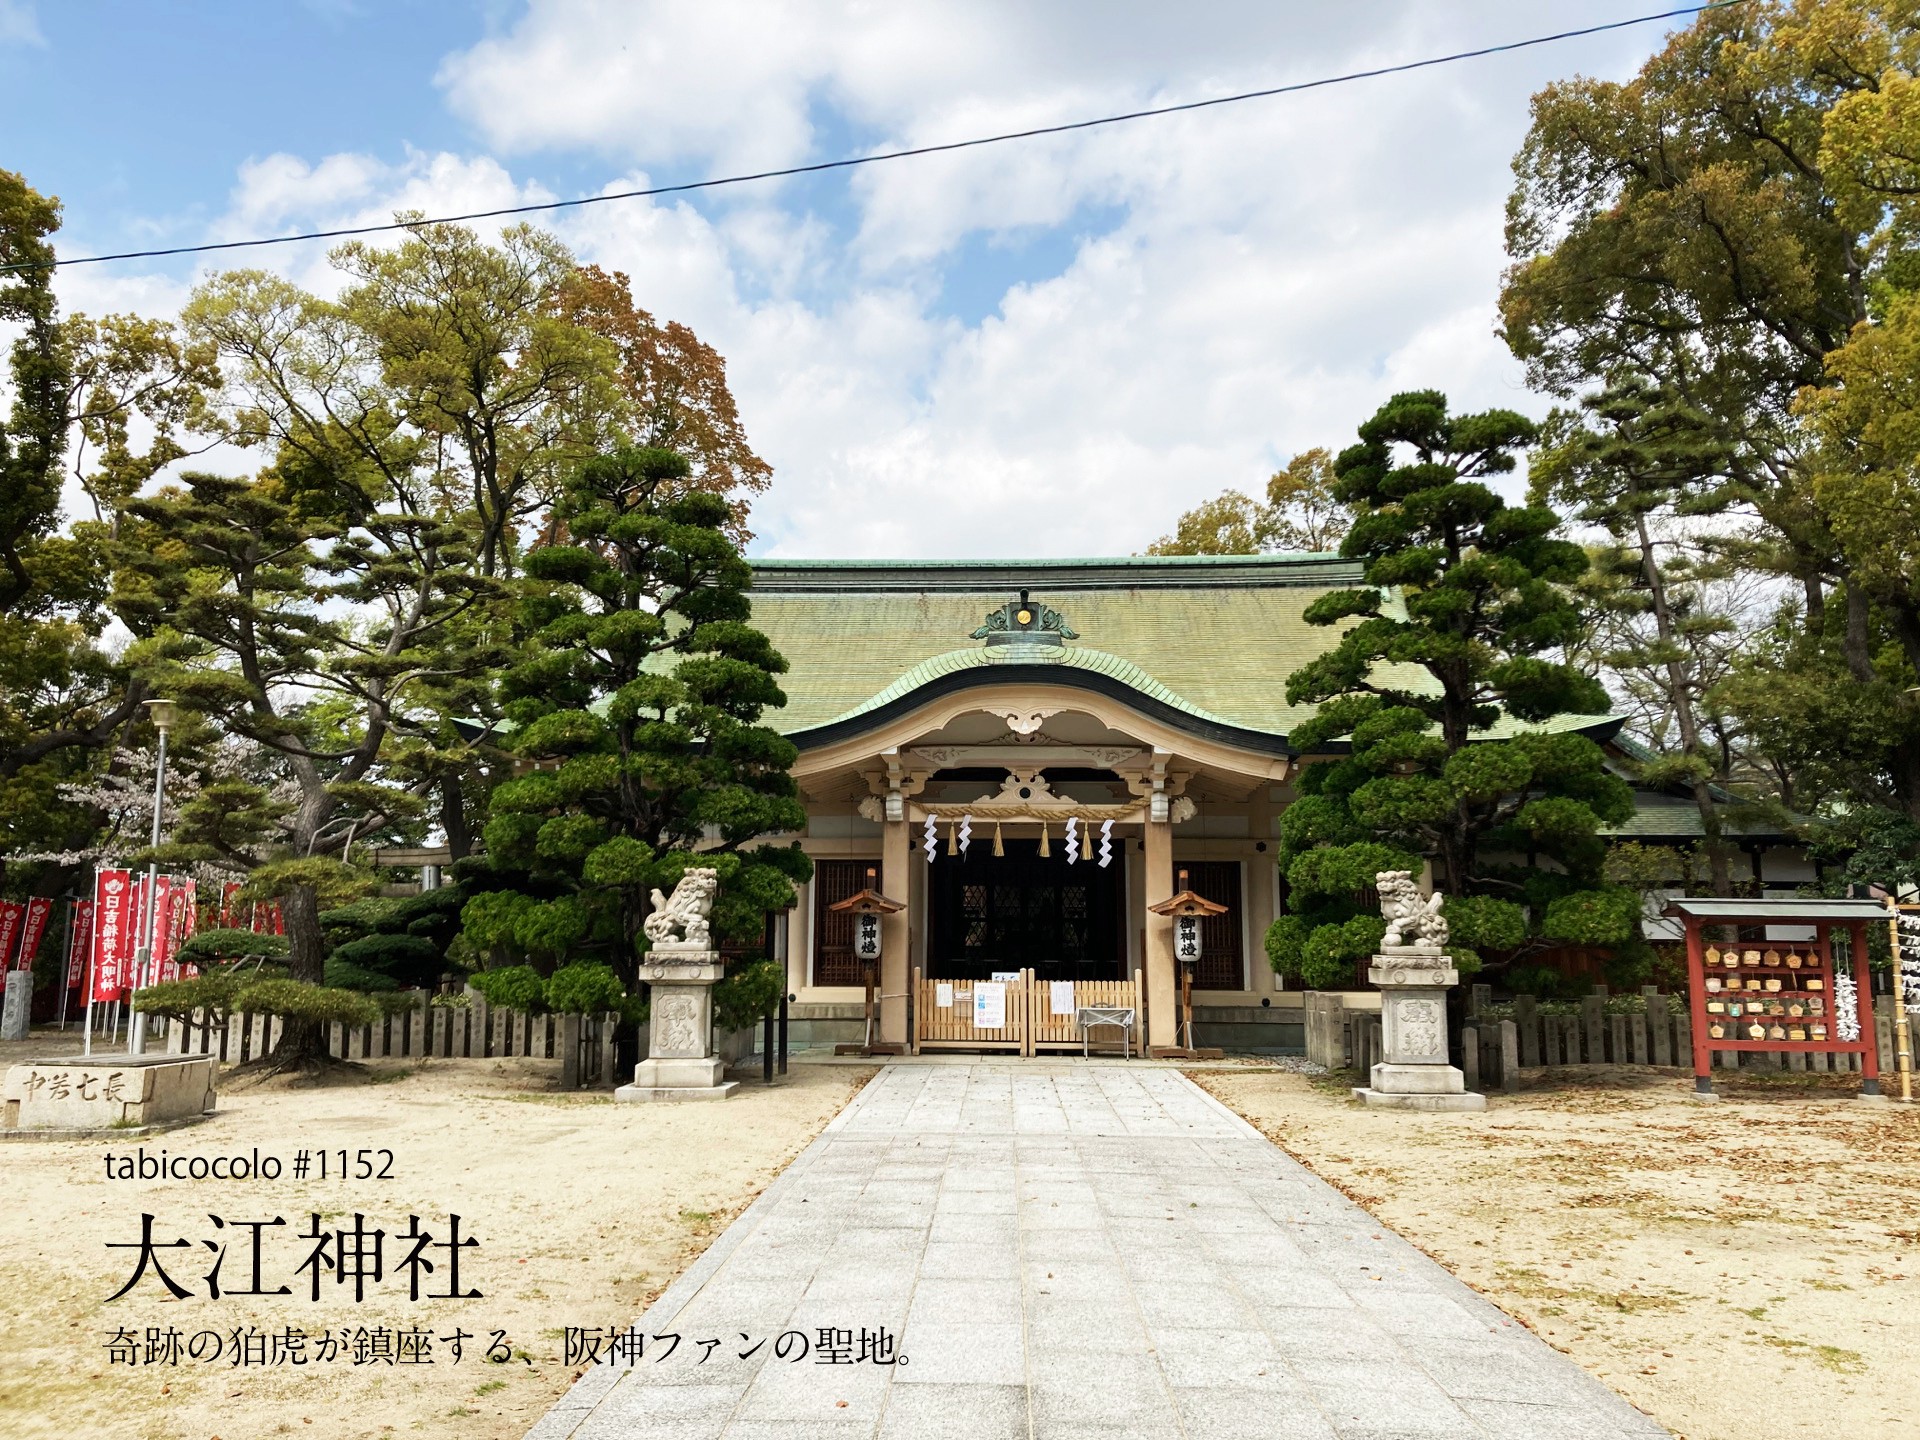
(1253, 279)
(19, 25)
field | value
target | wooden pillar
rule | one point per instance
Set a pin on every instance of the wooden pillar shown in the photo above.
(1863, 994)
(1702, 1042)
(1163, 1003)
(896, 932)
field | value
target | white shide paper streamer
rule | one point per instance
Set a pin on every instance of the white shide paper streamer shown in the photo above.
(1846, 1007)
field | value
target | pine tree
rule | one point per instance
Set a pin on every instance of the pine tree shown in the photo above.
(637, 704)
(306, 621)
(1637, 454)
(1463, 603)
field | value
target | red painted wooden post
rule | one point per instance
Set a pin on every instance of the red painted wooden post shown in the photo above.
(1697, 1005)
(1863, 1003)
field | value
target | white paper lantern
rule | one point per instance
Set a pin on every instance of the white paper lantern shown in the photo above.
(1186, 939)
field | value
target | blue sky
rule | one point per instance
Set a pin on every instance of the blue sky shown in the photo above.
(1051, 347)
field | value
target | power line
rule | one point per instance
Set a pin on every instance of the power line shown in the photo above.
(851, 161)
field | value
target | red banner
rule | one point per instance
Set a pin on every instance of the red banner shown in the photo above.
(113, 932)
(229, 913)
(79, 942)
(163, 901)
(39, 908)
(11, 913)
(189, 927)
(176, 925)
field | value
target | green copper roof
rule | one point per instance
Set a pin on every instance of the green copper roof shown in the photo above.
(1211, 637)
(1214, 636)
(1665, 817)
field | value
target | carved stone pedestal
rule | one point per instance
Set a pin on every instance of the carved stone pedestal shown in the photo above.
(680, 1063)
(1413, 983)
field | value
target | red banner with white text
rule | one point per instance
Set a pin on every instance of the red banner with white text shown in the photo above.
(79, 943)
(113, 932)
(176, 925)
(39, 910)
(11, 914)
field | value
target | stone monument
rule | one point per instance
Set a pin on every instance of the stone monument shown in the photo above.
(682, 967)
(70, 1095)
(1414, 973)
(16, 1014)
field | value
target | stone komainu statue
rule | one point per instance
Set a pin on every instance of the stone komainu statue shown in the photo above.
(685, 910)
(1412, 919)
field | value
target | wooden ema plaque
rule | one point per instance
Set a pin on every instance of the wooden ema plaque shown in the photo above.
(1779, 995)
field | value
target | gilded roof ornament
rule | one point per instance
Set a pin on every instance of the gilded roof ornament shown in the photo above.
(1024, 620)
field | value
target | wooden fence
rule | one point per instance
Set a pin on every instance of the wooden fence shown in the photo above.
(583, 1044)
(1491, 1049)
(1660, 1033)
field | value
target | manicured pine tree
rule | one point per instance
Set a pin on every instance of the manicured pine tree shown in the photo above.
(1463, 607)
(637, 704)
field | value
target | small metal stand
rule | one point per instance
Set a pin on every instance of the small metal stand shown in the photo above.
(1121, 1017)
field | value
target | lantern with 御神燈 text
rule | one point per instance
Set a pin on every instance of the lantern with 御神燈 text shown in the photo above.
(1187, 911)
(866, 908)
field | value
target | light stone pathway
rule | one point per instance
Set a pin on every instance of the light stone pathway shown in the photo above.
(1077, 1250)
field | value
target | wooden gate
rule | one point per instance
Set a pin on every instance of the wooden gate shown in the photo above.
(1030, 1022)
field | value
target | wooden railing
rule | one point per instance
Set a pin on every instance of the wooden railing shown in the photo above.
(1030, 1022)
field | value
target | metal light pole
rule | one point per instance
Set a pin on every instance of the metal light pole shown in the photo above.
(162, 713)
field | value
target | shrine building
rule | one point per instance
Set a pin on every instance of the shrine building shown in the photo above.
(1026, 755)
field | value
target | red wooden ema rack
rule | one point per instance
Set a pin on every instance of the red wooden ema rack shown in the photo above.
(1825, 916)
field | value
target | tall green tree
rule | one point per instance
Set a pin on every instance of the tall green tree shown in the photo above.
(1628, 457)
(34, 435)
(461, 377)
(1724, 223)
(444, 367)
(304, 624)
(1854, 733)
(66, 697)
(1465, 603)
(1300, 513)
(638, 701)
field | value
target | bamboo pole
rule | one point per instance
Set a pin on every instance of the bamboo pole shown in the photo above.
(1902, 1048)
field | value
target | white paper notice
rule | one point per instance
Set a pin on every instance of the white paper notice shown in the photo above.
(1062, 993)
(943, 994)
(989, 1005)
(1006, 977)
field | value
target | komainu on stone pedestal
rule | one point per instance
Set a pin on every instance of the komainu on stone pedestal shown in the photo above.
(681, 969)
(1414, 979)
(685, 910)
(1414, 921)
